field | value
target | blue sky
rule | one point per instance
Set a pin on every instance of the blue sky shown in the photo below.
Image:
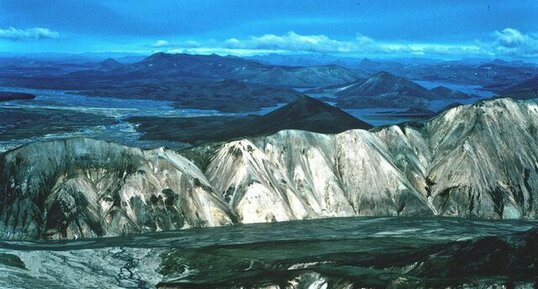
(433, 28)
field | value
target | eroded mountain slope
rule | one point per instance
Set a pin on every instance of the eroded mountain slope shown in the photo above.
(86, 188)
(485, 160)
(470, 161)
(314, 176)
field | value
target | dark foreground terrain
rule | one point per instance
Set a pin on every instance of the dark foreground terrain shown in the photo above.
(328, 253)
(17, 123)
(9, 95)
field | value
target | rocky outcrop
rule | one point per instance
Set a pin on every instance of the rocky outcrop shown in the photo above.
(87, 188)
(477, 161)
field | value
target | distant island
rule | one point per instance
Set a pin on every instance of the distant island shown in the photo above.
(9, 95)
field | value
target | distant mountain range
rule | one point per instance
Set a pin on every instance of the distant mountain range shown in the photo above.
(198, 80)
(164, 65)
(383, 89)
(462, 162)
(304, 59)
(496, 74)
(305, 113)
(228, 84)
(161, 67)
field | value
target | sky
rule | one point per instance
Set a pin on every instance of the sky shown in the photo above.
(444, 29)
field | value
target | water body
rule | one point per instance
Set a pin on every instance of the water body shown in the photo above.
(118, 108)
(470, 89)
(476, 91)
(240, 255)
(390, 116)
(380, 116)
(375, 116)
(125, 133)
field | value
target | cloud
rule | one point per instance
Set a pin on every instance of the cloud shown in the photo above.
(161, 43)
(513, 42)
(13, 33)
(507, 42)
(291, 41)
(510, 37)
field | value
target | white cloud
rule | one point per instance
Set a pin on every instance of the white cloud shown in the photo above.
(361, 44)
(508, 42)
(363, 40)
(192, 44)
(513, 42)
(291, 41)
(510, 37)
(161, 43)
(13, 33)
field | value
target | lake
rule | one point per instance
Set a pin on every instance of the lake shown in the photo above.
(389, 116)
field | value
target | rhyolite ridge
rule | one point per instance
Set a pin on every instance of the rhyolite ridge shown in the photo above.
(477, 161)
(88, 188)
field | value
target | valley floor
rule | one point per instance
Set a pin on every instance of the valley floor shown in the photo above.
(76, 115)
(56, 115)
(380, 252)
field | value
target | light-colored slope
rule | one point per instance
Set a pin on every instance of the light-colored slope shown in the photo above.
(85, 188)
(252, 185)
(372, 178)
(472, 161)
(298, 174)
(410, 153)
(485, 160)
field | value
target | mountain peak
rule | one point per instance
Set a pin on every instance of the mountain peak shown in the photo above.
(159, 55)
(308, 104)
(383, 89)
(384, 77)
(109, 64)
(441, 88)
(383, 82)
(307, 113)
(384, 74)
(110, 60)
(367, 61)
(443, 92)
